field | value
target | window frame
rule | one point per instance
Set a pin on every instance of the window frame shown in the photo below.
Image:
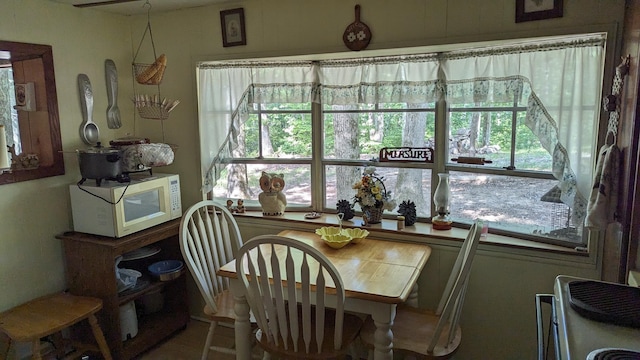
(438, 165)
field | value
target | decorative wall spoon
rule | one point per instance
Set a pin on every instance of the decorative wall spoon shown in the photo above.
(89, 132)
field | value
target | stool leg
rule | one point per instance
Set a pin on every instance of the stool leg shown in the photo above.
(97, 333)
(35, 349)
(58, 344)
(5, 346)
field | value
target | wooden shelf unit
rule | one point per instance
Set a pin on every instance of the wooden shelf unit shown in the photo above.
(90, 261)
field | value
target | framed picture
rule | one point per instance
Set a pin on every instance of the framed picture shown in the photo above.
(232, 22)
(527, 10)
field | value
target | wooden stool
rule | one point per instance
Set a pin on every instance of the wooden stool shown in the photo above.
(49, 315)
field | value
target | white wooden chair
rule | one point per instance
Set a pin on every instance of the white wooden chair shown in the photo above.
(209, 238)
(295, 321)
(427, 334)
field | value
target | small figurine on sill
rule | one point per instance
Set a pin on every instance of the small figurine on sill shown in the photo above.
(240, 207)
(365, 220)
(230, 205)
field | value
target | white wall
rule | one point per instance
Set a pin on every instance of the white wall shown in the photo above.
(33, 212)
(498, 315)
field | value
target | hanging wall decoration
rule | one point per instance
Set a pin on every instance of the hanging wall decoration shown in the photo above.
(528, 10)
(357, 35)
(232, 22)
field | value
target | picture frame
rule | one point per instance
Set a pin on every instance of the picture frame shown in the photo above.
(232, 22)
(528, 10)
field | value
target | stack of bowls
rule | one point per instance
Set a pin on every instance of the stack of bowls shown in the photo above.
(166, 270)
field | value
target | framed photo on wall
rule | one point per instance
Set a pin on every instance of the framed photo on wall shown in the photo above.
(232, 22)
(528, 10)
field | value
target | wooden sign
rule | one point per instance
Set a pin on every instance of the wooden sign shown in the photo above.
(406, 154)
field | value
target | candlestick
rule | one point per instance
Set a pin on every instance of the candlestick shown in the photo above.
(5, 164)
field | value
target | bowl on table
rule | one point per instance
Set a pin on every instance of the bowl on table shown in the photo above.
(337, 241)
(328, 230)
(356, 234)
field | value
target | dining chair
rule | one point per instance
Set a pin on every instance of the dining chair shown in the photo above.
(286, 284)
(209, 238)
(427, 334)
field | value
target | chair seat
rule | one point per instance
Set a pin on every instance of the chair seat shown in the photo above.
(49, 315)
(46, 315)
(410, 329)
(352, 326)
(224, 302)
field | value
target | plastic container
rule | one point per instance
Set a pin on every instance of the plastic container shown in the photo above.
(128, 321)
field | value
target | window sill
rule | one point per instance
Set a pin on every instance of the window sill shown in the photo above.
(389, 227)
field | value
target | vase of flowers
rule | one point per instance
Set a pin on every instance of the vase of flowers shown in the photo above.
(372, 195)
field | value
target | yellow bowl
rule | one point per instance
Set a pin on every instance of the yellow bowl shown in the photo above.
(328, 230)
(356, 234)
(337, 241)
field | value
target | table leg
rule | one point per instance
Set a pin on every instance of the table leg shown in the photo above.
(383, 338)
(242, 327)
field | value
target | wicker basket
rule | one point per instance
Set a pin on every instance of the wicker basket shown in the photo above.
(155, 79)
(155, 112)
(374, 214)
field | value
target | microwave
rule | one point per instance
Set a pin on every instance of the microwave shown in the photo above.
(118, 209)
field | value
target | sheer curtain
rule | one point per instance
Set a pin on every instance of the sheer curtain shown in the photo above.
(227, 91)
(559, 80)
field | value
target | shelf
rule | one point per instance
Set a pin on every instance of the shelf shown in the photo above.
(90, 259)
(152, 329)
(152, 286)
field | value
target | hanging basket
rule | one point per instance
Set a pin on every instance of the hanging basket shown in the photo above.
(150, 107)
(149, 74)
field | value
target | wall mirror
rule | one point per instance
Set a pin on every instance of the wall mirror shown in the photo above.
(29, 112)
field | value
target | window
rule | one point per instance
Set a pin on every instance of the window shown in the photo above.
(529, 111)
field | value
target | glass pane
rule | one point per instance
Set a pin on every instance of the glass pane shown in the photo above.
(286, 135)
(360, 136)
(241, 181)
(512, 203)
(530, 155)
(248, 139)
(400, 182)
(481, 134)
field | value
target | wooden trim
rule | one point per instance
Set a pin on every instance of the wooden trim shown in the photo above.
(418, 230)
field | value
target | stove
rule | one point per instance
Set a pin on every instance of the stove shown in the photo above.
(584, 336)
(613, 354)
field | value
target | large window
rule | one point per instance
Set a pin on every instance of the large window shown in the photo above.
(319, 123)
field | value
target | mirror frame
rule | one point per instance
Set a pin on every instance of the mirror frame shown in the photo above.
(22, 51)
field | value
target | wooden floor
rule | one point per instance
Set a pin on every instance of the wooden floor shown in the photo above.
(188, 344)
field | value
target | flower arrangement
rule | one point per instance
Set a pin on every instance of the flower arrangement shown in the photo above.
(372, 192)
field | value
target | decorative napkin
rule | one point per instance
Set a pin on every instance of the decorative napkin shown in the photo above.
(601, 209)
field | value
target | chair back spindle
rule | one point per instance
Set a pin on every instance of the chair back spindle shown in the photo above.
(450, 306)
(286, 283)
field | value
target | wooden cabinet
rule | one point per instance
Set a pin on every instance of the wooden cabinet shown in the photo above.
(91, 268)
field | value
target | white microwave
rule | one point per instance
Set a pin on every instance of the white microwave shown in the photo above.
(117, 209)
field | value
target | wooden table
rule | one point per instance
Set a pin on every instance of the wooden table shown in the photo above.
(378, 275)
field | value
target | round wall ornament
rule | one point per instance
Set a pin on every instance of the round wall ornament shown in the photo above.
(357, 35)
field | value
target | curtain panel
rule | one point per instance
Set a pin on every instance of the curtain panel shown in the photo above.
(561, 84)
(559, 80)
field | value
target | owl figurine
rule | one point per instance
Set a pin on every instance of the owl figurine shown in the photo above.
(272, 200)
